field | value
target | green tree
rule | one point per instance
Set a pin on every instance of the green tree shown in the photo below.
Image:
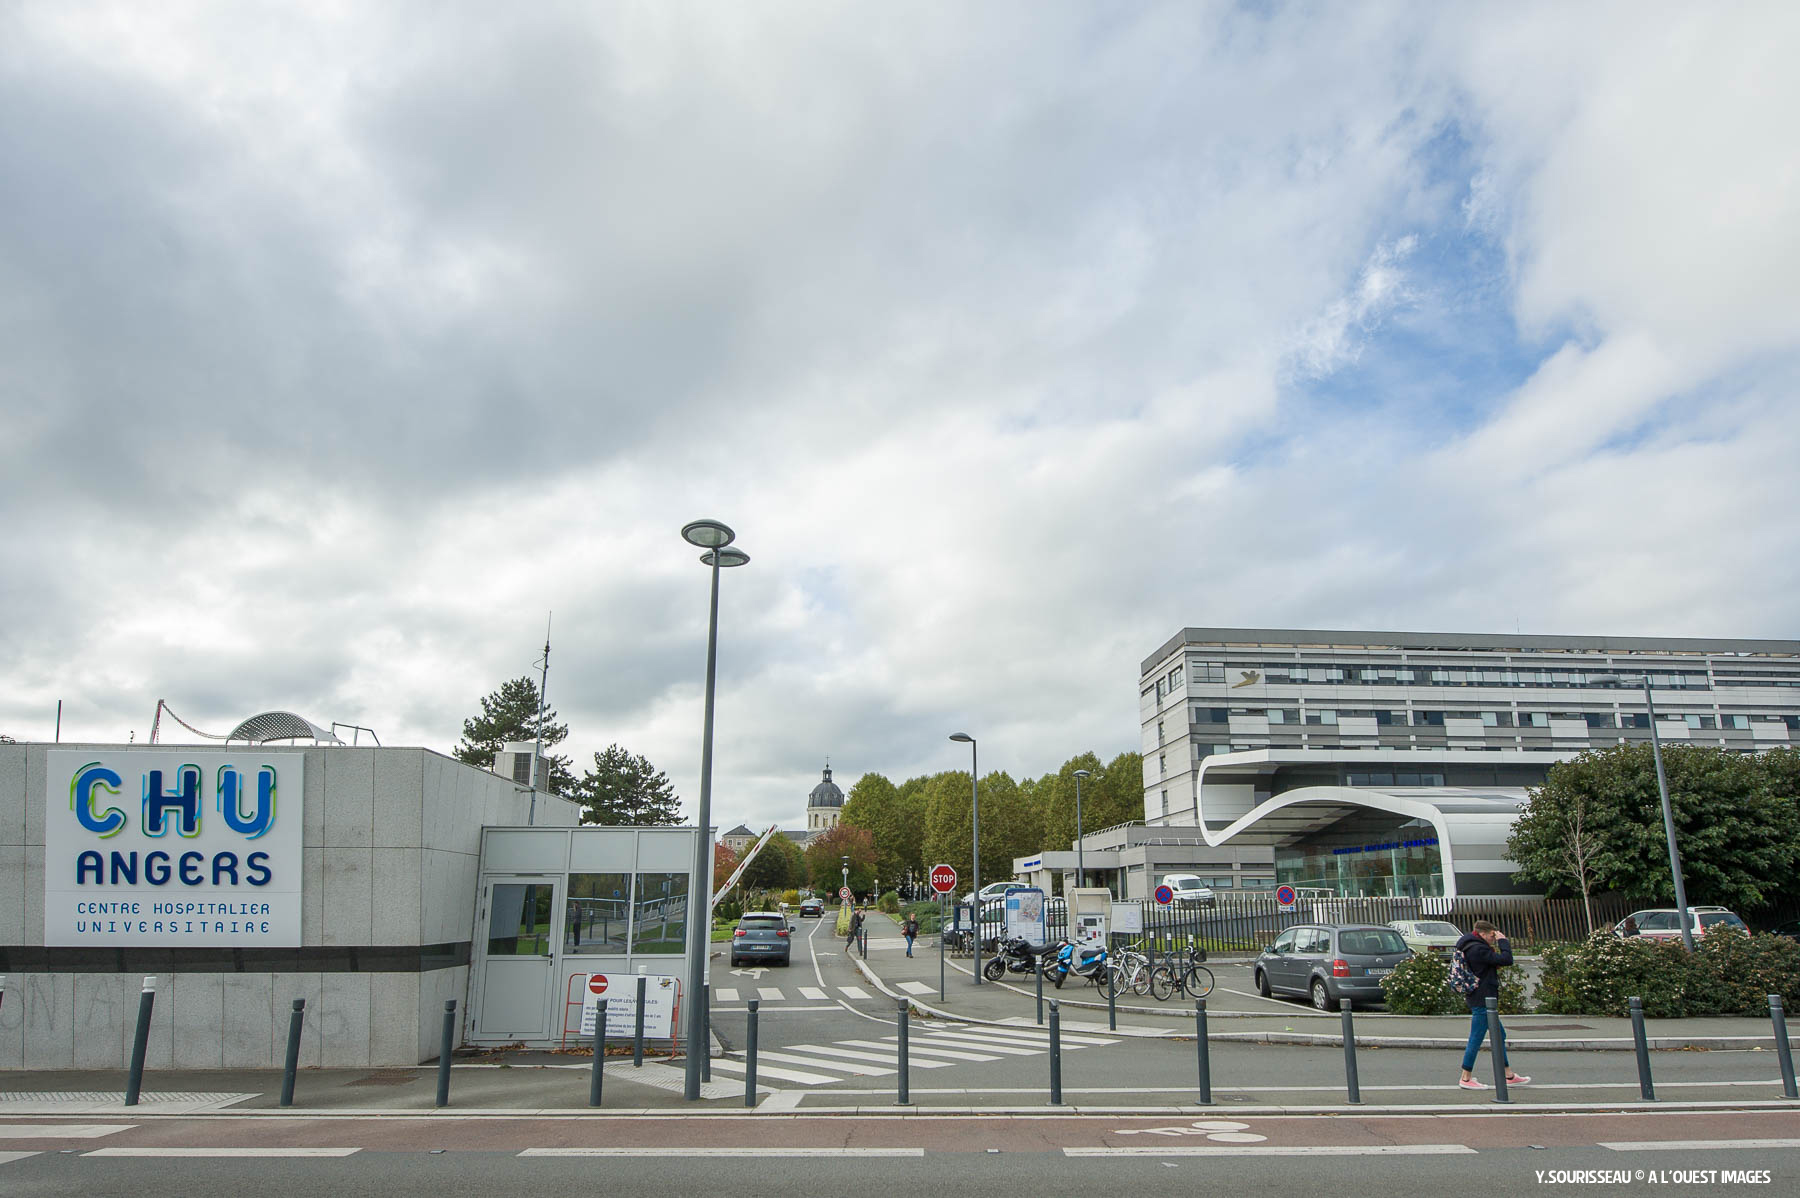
(826, 851)
(778, 867)
(626, 789)
(1011, 825)
(508, 715)
(894, 819)
(1056, 794)
(1739, 841)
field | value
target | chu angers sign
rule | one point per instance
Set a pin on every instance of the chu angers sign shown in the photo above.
(196, 850)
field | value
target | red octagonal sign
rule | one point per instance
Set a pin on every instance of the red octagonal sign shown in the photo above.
(597, 983)
(943, 879)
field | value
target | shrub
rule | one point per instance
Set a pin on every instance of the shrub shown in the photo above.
(1728, 973)
(1747, 969)
(889, 902)
(791, 897)
(728, 908)
(927, 915)
(1420, 985)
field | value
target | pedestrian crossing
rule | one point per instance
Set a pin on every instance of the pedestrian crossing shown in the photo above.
(929, 1046)
(775, 994)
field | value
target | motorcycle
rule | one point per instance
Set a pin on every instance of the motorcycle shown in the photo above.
(1014, 955)
(1088, 961)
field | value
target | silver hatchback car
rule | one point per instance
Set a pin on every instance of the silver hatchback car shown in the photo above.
(1329, 963)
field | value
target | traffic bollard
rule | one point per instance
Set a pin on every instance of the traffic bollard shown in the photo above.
(1646, 1086)
(443, 1094)
(1783, 1053)
(706, 1032)
(637, 1022)
(1040, 991)
(1112, 1001)
(1497, 1049)
(2, 989)
(293, 1052)
(1055, 1053)
(140, 1043)
(598, 1077)
(1350, 1079)
(905, 1098)
(1205, 1050)
(750, 1056)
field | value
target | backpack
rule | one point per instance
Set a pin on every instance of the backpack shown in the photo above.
(1463, 980)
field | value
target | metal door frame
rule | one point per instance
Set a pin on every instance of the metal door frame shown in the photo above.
(551, 961)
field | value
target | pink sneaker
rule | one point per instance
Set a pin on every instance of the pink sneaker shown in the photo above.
(1471, 1083)
(1518, 1079)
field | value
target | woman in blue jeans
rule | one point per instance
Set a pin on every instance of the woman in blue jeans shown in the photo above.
(1485, 951)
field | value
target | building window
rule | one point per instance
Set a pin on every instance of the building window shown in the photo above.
(1162, 762)
(1496, 719)
(1165, 802)
(1599, 719)
(1433, 719)
(1737, 721)
(1159, 732)
(1162, 688)
(1321, 715)
(1174, 679)
(1534, 719)
(1699, 721)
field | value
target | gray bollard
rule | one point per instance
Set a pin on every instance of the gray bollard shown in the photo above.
(750, 1056)
(3, 989)
(1205, 1050)
(1055, 1053)
(293, 1052)
(706, 1032)
(905, 1098)
(637, 1032)
(443, 1094)
(1497, 1049)
(1112, 1002)
(1351, 1082)
(1040, 990)
(598, 1077)
(1646, 1086)
(1783, 1053)
(140, 1043)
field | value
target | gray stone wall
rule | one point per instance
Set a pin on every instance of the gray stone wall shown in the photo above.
(391, 847)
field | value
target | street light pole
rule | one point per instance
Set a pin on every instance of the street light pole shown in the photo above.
(713, 537)
(1080, 868)
(1668, 814)
(975, 818)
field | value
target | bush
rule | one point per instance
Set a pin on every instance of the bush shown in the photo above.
(1420, 985)
(791, 897)
(1748, 969)
(728, 908)
(927, 914)
(1728, 973)
(889, 902)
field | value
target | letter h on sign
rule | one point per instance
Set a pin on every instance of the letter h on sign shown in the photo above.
(185, 803)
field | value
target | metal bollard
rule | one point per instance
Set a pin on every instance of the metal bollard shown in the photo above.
(905, 1098)
(750, 1056)
(443, 1094)
(140, 1043)
(1112, 1001)
(1646, 1086)
(2, 989)
(598, 1077)
(1055, 1053)
(637, 1032)
(1205, 1051)
(1783, 1053)
(1350, 1079)
(1497, 1049)
(1040, 990)
(293, 1052)
(706, 1032)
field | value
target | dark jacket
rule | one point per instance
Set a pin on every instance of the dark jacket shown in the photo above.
(1484, 963)
(910, 927)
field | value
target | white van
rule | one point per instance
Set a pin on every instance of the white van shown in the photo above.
(1190, 890)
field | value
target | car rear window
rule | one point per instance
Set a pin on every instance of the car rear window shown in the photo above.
(1438, 929)
(1724, 917)
(762, 923)
(1370, 942)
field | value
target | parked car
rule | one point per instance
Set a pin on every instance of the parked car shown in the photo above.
(1329, 963)
(1664, 923)
(1190, 890)
(812, 908)
(1790, 929)
(762, 936)
(993, 892)
(1427, 935)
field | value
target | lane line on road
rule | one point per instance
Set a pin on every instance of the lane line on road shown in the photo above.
(247, 1153)
(757, 1152)
(1283, 1150)
(1686, 1145)
(7, 1158)
(61, 1131)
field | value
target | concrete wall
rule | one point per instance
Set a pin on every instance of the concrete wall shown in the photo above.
(391, 846)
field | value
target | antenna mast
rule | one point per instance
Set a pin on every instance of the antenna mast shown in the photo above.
(537, 754)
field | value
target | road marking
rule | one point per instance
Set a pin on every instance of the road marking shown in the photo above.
(854, 991)
(770, 993)
(918, 1049)
(832, 1050)
(812, 992)
(7, 1158)
(772, 1071)
(223, 1152)
(1248, 1150)
(759, 1151)
(1684, 1145)
(917, 988)
(725, 994)
(60, 1131)
(1009, 1050)
(1042, 1036)
(852, 1068)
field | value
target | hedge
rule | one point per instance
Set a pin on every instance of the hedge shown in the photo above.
(1420, 985)
(1728, 973)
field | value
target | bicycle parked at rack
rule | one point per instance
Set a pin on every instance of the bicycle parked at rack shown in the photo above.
(1190, 977)
(1130, 970)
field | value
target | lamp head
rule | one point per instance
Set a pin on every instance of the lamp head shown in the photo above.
(1083, 774)
(727, 557)
(962, 737)
(708, 534)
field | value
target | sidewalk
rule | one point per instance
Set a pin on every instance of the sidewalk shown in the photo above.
(1236, 1013)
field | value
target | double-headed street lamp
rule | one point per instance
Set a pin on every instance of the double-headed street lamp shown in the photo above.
(1662, 787)
(975, 817)
(714, 538)
(1080, 870)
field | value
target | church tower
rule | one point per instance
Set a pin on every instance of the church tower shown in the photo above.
(824, 806)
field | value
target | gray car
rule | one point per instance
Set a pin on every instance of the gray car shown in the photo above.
(1329, 962)
(762, 936)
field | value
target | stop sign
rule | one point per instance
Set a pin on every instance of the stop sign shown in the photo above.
(943, 879)
(597, 983)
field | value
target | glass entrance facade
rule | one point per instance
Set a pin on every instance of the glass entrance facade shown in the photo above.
(1369, 853)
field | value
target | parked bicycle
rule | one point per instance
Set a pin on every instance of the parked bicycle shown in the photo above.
(1130, 970)
(1189, 977)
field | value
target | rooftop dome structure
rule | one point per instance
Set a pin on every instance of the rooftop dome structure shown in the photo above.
(280, 725)
(826, 793)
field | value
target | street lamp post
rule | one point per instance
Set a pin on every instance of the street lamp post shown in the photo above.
(975, 818)
(714, 538)
(846, 872)
(1668, 814)
(1080, 868)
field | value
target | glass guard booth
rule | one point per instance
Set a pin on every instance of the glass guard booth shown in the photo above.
(557, 904)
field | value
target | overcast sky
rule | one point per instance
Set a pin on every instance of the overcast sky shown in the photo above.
(339, 343)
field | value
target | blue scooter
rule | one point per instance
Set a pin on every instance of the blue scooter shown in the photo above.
(1087, 962)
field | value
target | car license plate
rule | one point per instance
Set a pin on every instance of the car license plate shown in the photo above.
(1381, 973)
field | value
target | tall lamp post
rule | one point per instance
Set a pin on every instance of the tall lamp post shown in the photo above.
(1080, 869)
(1662, 788)
(846, 872)
(714, 538)
(975, 818)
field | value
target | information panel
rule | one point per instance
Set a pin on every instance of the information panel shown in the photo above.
(160, 849)
(620, 992)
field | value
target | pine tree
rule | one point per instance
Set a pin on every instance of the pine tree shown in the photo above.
(623, 788)
(511, 714)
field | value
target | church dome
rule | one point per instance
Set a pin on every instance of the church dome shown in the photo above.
(826, 793)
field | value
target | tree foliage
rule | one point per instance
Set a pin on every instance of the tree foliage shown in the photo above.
(1011, 824)
(508, 715)
(623, 789)
(779, 866)
(1113, 794)
(826, 851)
(1737, 824)
(724, 861)
(894, 819)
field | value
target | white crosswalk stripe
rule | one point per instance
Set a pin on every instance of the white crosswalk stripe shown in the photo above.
(853, 1068)
(725, 994)
(974, 1042)
(928, 1048)
(7, 1158)
(812, 992)
(917, 988)
(770, 993)
(773, 1073)
(854, 992)
(891, 1057)
(955, 1054)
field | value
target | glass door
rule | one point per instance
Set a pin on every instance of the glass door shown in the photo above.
(516, 935)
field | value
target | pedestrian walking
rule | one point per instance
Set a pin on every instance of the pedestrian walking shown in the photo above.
(856, 923)
(1483, 953)
(910, 930)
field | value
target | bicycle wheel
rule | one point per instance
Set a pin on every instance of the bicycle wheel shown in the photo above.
(1162, 983)
(1198, 982)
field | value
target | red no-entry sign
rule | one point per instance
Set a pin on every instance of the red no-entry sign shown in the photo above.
(943, 879)
(597, 983)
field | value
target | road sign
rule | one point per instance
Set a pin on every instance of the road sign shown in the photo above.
(1284, 897)
(621, 1008)
(1164, 895)
(844, 893)
(597, 983)
(943, 879)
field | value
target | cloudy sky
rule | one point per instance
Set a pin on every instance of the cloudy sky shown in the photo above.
(340, 343)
